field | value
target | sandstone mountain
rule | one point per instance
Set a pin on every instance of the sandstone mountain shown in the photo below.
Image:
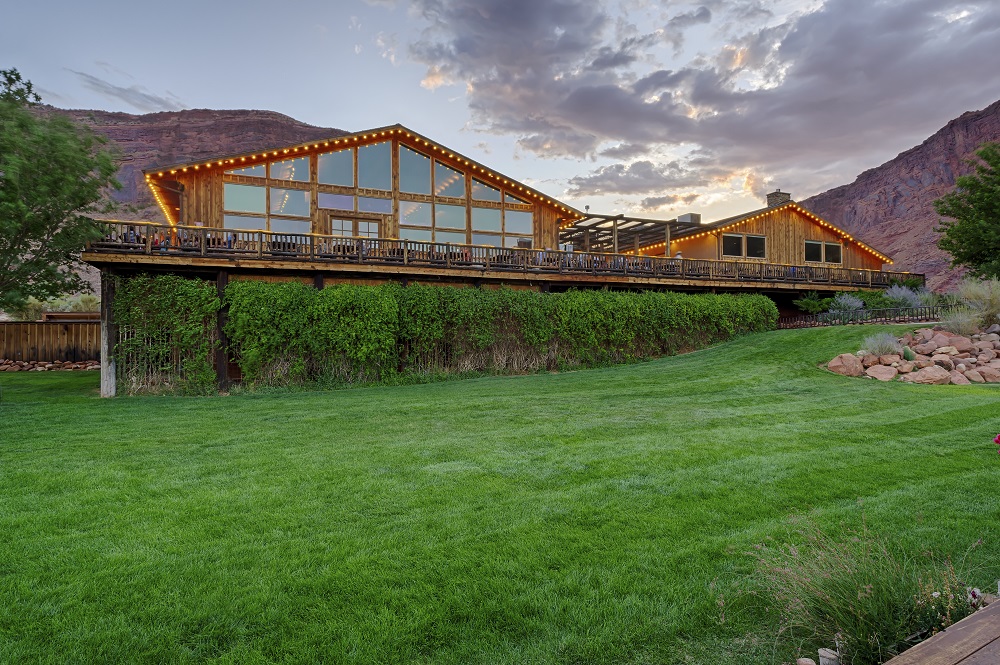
(160, 139)
(891, 206)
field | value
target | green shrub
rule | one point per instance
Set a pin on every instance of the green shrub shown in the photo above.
(908, 354)
(811, 303)
(290, 333)
(901, 296)
(167, 334)
(858, 592)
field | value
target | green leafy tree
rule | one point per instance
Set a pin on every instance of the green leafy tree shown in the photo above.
(973, 238)
(54, 177)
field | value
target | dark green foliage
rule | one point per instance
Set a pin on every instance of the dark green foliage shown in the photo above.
(914, 283)
(811, 303)
(53, 178)
(291, 333)
(908, 354)
(168, 325)
(972, 235)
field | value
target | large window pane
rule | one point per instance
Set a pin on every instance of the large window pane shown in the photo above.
(244, 198)
(516, 221)
(483, 192)
(732, 245)
(447, 236)
(487, 239)
(448, 181)
(421, 235)
(510, 198)
(279, 225)
(414, 171)
(450, 216)
(414, 214)
(336, 201)
(814, 251)
(756, 247)
(293, 202)
(368, 229)
(375, 166)
(517, 241)
(833, 252)
(366, 204)
(341, 227)
(485, 219)
(291, 169)
(337, 168)
(245, 222)
(256, 171)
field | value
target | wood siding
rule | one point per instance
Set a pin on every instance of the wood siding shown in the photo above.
(786, 231)
(48, 341)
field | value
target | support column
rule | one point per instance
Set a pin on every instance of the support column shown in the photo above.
(614, 235)
(666, 250)
(109, 336)
(222, 350)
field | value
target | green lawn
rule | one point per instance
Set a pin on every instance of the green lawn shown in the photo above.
(585, 517)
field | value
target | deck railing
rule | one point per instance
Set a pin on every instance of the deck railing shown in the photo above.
(164, 240)
(892, 315)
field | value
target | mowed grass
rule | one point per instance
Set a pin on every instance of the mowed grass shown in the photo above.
(599, 516)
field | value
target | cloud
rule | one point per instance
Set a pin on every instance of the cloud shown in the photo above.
(641, 177)
(134, 95)
(654, 203)
(803, 100)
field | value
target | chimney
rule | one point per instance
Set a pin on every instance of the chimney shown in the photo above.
(777, 197)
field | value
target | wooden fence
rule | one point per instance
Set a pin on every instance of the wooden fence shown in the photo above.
(897, 315)
(50, 340)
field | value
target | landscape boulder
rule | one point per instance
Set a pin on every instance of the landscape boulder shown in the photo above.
(974, 376)
(960, 343)
(933, 375)
(943, 361)
(994, 329)
(846, 364)
(869, 360)
(989, 374)
(905, 367)
(927, 348)
(889, 359)
(947, 350)
(882, 372)
(940, 340)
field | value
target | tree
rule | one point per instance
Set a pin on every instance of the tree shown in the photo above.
(973, 238)
(54, 176)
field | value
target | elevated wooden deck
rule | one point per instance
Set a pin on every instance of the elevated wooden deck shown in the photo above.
(975, 640)
(151, 247)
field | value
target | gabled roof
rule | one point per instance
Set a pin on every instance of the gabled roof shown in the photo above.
(733, 222)
(166, 174)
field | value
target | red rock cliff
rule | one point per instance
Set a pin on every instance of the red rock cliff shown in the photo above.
(891, 207)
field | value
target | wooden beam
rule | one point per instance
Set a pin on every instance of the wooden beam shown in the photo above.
(109, 336)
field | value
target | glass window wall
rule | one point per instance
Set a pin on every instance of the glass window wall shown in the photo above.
(418, 235)
(336, 201)
(448, 181)
(279, 225)
(756, 247)
(449, 236)
(336, 168)
(517, 221)
(834, 253)
(483, 192)
(375, 166)
(452, 217)
(486, 219)
(510, 198)
(257, 171)
(244, 198)
(292, 202)
(414, 214)
(732, 245)
(291, 169)
(414, 171)
(367, 204)
(487, 239)
(814, 251)
(245, 222)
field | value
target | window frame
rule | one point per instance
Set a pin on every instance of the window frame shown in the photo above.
(722, 246)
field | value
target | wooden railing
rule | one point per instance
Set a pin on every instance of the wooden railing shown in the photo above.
(896, 315)
(154, 239)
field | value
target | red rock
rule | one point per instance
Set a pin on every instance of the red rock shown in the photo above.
(882, 372)
(940, 339)
(846, 364)
(960, 343)
(905, 367)
(957, 378)
(869, 360)
(975, 376)
(989, 374)
(943, 361)
(933, 375)
(889, 359)
(925, 348)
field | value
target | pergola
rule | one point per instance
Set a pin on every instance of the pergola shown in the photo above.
(621, 233)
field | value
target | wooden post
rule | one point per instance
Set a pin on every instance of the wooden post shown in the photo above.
(666, 250)
(636, 237)
(614, 235)
(222, 350)
(586, 240)
(109, 336)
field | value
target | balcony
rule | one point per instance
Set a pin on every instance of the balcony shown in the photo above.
(155, 246)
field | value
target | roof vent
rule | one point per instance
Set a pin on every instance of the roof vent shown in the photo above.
(689, 218)
(777, 197)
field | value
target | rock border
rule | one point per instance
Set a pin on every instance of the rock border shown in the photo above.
(7, 365)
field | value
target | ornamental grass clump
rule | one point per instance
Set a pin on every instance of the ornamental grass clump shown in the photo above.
(983, 297)
(846, 302)
(882, 344)
(903, 296)
(860, 594)
(963, 321)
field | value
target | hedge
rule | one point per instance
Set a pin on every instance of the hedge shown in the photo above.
(291, 333)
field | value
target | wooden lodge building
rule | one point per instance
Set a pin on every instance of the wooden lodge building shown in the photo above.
(389, 204)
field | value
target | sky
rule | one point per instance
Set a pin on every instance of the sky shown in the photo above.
(647, 108)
